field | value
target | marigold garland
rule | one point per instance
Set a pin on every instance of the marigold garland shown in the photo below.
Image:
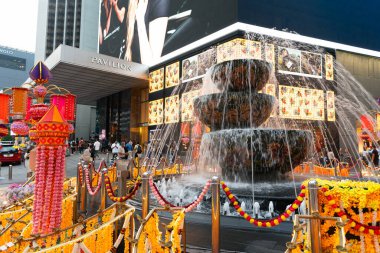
(150, 237)
(357, 204)
(264, 223)
(174, 231)
(111, 193)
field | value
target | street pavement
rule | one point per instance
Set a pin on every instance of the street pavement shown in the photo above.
(237, 235)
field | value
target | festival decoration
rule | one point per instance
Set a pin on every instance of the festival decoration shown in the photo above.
(264, 223)
(4, 108)
(70, 107)
(18, 103)
(111, 193)
(187, 208)
(357, 203)
(20, 128)
(60, 101)
(91, 191)
(3, 131)
(40, 73)
(52, 131)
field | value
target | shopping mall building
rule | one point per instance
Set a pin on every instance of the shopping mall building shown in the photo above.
(139, 73)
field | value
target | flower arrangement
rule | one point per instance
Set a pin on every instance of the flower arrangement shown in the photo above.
(357, 203)
(16, 193)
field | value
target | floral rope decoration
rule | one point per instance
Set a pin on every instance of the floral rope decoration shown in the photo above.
(264, 223)
(91, 191)
(174, 231)
(189, 207)
(100, 167)
(80, 168)
(358, 226)
(111, 193)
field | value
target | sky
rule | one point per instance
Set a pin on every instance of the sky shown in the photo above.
(18, 24)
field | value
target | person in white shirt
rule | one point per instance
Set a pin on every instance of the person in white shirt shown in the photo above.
(115, 149)
(97, 146)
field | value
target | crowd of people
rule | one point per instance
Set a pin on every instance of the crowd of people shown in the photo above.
(91, 149)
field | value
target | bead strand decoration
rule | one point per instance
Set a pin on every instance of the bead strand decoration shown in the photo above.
(39, 190)
(52, 132)
(189, 207)
(356, 225)
(91, 191)
(58, 185)
(46, 222)
(265, 223)
(111, 193)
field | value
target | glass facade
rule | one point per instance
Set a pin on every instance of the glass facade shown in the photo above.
(122, 116)
(12, 62)
(63, 26)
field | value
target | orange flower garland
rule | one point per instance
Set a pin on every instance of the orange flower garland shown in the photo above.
(264, 223)
(345, 216)
(111, 193)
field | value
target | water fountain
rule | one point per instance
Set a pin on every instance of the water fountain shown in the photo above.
(236, 143)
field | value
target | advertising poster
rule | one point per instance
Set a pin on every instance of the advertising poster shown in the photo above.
(206, 60)
(297, 62)
(270, 89)
(248, 49)
(190, 68)
(172, 75)
(301, 103)
(187, 105)
(227, 51)
(156, 112)
(329, 67)
(289, 60)
(311, 64)
(144, 31)
(330, 99)
(156, 80)
(269, 54)
(172, 109)
(195, 84)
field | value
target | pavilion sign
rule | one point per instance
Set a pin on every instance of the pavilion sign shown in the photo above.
(110, 63)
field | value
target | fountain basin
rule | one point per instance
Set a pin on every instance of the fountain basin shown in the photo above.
(233, 109)
(268, 151)
(240, 75)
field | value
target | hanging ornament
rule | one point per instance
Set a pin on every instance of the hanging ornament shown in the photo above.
(20, 128)
(37, 111)
(52, 132)
(4, 108)
(40, 73)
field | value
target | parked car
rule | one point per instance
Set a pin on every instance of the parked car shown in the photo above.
(9, 154)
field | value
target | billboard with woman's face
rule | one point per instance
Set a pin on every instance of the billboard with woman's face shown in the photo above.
(144, 30)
